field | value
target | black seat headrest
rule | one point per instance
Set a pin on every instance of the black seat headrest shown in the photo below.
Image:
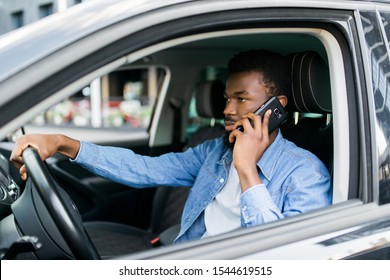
(310, 90)
(210, 101)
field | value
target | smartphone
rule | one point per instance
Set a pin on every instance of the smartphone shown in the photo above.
(278, 114)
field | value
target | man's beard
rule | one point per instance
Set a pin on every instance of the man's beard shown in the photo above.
(226, 141)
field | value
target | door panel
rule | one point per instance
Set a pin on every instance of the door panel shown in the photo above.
(100, 199)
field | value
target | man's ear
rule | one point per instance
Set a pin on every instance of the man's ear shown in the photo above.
(282, 100)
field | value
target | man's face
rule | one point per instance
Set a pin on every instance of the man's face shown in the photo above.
(244, 94)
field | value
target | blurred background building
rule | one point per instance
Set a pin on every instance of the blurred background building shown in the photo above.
(123, 98)
(17, 13)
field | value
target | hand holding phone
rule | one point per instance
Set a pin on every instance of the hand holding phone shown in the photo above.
(278, 114)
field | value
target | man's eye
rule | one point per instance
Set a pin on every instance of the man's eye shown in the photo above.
(240, 99)
(227, 99)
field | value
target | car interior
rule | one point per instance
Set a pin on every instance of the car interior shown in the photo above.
(122, 220)
(308, 96)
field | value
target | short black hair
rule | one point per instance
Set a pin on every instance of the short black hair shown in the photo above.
(273, 66)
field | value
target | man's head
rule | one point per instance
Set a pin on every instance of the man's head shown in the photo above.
(253, 78)
(272, 66)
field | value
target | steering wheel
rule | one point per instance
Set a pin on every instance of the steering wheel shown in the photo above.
(73, 232)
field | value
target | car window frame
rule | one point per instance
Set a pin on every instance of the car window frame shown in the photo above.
(137, 54)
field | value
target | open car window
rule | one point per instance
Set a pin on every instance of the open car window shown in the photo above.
(122, 100)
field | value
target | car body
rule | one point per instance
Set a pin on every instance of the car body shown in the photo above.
(48, 61)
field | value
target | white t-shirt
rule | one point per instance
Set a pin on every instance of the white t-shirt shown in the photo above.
(223, 213)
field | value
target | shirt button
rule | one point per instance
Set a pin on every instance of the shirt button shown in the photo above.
(222, 180)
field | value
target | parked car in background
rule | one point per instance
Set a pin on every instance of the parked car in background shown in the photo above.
(127, 73)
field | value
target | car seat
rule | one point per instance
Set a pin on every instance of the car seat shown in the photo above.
(112, 239)
(310, 93)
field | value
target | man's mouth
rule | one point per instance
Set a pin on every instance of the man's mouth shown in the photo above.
(229, 124)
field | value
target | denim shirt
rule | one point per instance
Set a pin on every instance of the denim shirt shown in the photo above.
(293, 180)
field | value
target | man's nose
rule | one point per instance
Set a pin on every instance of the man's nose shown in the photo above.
(230, 108)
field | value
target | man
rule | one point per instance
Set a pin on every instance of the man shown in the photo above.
(250, 177)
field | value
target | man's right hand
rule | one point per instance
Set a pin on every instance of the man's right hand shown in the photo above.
(46, 145)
